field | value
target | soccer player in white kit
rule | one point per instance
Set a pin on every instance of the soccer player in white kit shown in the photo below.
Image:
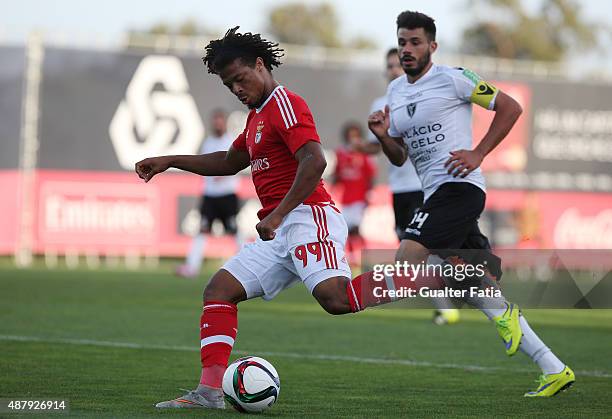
(428, 119)
(219, 200)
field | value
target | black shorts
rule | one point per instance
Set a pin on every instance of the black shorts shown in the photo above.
(449, 218)
(405, 205)
(447, 224)
(223, 208)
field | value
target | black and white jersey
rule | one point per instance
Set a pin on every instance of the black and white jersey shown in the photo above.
(434, 117)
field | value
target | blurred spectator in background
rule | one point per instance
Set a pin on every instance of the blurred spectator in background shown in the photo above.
(528, 221)
(355, 174)
(403, 181)
(405, 186)
(219, 200)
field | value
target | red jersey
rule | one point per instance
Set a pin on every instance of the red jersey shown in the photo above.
(274, 132)
(354, 171)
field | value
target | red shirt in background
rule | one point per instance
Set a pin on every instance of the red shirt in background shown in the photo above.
(355, 172)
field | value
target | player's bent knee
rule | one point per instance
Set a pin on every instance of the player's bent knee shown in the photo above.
(331, 295)
(224, 287)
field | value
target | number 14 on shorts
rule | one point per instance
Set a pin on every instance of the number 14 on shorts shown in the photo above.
(419, 218)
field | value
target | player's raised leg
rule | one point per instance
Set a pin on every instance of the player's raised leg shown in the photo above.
(341, 295)
(369, 290)
(316, 241)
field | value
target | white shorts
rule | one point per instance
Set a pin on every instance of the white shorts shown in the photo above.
(353, 213)
(308, 246)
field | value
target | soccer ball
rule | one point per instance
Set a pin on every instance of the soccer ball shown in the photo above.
(251, 384)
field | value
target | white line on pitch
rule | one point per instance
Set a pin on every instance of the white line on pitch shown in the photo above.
(295, 355)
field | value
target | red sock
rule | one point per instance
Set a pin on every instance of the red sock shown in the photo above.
(364, 291)
(218, 327)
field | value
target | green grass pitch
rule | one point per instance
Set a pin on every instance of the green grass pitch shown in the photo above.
(114, 343)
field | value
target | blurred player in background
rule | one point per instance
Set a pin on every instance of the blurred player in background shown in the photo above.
(405, 186)
(218, 202)
(528, 220)
(355, 172)
(428, 118)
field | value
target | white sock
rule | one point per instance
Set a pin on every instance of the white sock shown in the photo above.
(493, 312)
(531, 345)
(490, 306)
(195, 255)
(534, 348)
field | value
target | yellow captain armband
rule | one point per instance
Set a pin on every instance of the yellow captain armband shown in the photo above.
(484, 94)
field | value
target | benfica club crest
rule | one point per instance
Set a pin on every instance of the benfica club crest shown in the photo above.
(260, 128)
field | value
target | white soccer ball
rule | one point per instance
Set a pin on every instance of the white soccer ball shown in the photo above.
(251, 384)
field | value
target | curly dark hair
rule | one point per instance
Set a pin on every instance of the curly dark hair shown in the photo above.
(246, 46)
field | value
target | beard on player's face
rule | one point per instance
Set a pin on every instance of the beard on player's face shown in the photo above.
(415, 69)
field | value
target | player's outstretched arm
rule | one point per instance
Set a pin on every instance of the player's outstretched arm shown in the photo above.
(394, 148)
(507, 111)
(220, 163)
(311, 165)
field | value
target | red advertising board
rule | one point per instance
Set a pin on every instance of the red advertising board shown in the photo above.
(9, 209)
(115, 213)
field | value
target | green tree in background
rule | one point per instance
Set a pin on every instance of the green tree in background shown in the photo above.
(303, 24)
(188, 27)
(297, 23)
(158, 29)
(292, 23)
(361, 42)
(505, 29)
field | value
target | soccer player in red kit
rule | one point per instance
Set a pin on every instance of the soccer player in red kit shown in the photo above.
(301, 233)
(355, 173)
